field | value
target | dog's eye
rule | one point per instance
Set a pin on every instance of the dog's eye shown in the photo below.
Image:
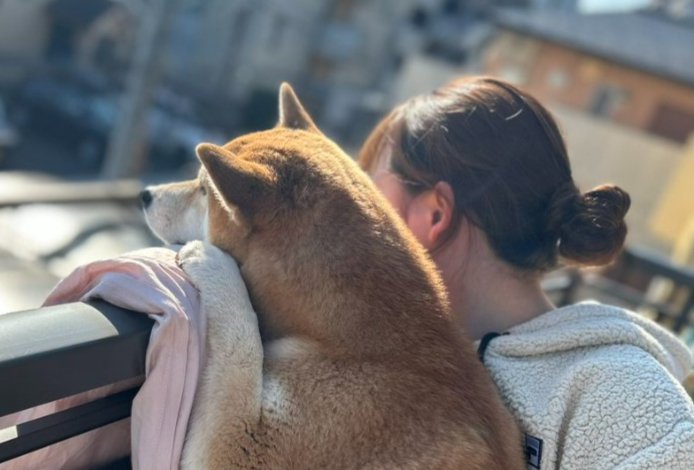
(203, 190)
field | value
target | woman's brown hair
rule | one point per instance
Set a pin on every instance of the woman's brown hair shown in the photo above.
(502, 153)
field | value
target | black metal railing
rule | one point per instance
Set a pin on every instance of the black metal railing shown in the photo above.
(55, 352)
(629, 281)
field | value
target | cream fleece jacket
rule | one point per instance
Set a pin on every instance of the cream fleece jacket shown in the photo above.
(596, 387)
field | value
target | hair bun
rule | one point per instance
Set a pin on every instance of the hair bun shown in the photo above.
(563, 204)
(593, 234)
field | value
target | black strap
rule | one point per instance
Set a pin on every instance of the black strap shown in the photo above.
(484, 343)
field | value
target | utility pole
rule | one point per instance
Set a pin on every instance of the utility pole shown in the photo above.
(125, 153)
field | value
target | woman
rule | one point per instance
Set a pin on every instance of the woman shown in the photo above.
(480, 173)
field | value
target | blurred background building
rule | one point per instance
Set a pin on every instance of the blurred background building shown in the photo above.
(93, 91)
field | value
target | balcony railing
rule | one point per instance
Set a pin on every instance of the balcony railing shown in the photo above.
(56, 352)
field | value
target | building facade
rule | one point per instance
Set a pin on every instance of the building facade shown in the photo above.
(606, 65)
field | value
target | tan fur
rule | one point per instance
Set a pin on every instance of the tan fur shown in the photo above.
(361, 366)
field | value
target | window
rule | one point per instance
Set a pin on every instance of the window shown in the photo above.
(672, 122)
(607, 99)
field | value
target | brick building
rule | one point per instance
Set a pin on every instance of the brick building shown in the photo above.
(636, 69)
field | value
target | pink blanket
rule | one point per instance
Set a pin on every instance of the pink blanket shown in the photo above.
(147, 281)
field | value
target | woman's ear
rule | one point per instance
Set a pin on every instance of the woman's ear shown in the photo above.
(442, 217)
(430, 214)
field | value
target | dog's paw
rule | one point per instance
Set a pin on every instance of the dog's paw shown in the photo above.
(205, 263)
(218, 278)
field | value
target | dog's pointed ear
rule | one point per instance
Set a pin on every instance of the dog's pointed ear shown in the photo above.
(292, 112)
(240, 183)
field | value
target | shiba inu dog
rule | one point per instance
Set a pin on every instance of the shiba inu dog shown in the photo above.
(359, 366)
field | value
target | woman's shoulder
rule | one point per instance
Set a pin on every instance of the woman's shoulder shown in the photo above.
(621, 378)
(607, 366)
(623, 398)
(589, 351)
(594, 382)
(591, 332)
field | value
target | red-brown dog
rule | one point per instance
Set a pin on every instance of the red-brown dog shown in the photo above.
(360, 364)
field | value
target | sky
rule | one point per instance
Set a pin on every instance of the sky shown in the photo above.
(604, 6)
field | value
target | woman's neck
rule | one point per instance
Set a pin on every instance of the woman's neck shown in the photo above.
(486, 295)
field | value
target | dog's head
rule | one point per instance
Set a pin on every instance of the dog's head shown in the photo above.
(232, 186)
(256, 184)
(296, 213)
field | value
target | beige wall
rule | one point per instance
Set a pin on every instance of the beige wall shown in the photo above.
(673, 217)
(602, 151)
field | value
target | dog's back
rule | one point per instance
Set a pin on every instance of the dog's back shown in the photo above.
(363, 367)
(375, 365)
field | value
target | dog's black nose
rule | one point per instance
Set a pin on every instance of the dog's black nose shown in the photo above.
(145, 198)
